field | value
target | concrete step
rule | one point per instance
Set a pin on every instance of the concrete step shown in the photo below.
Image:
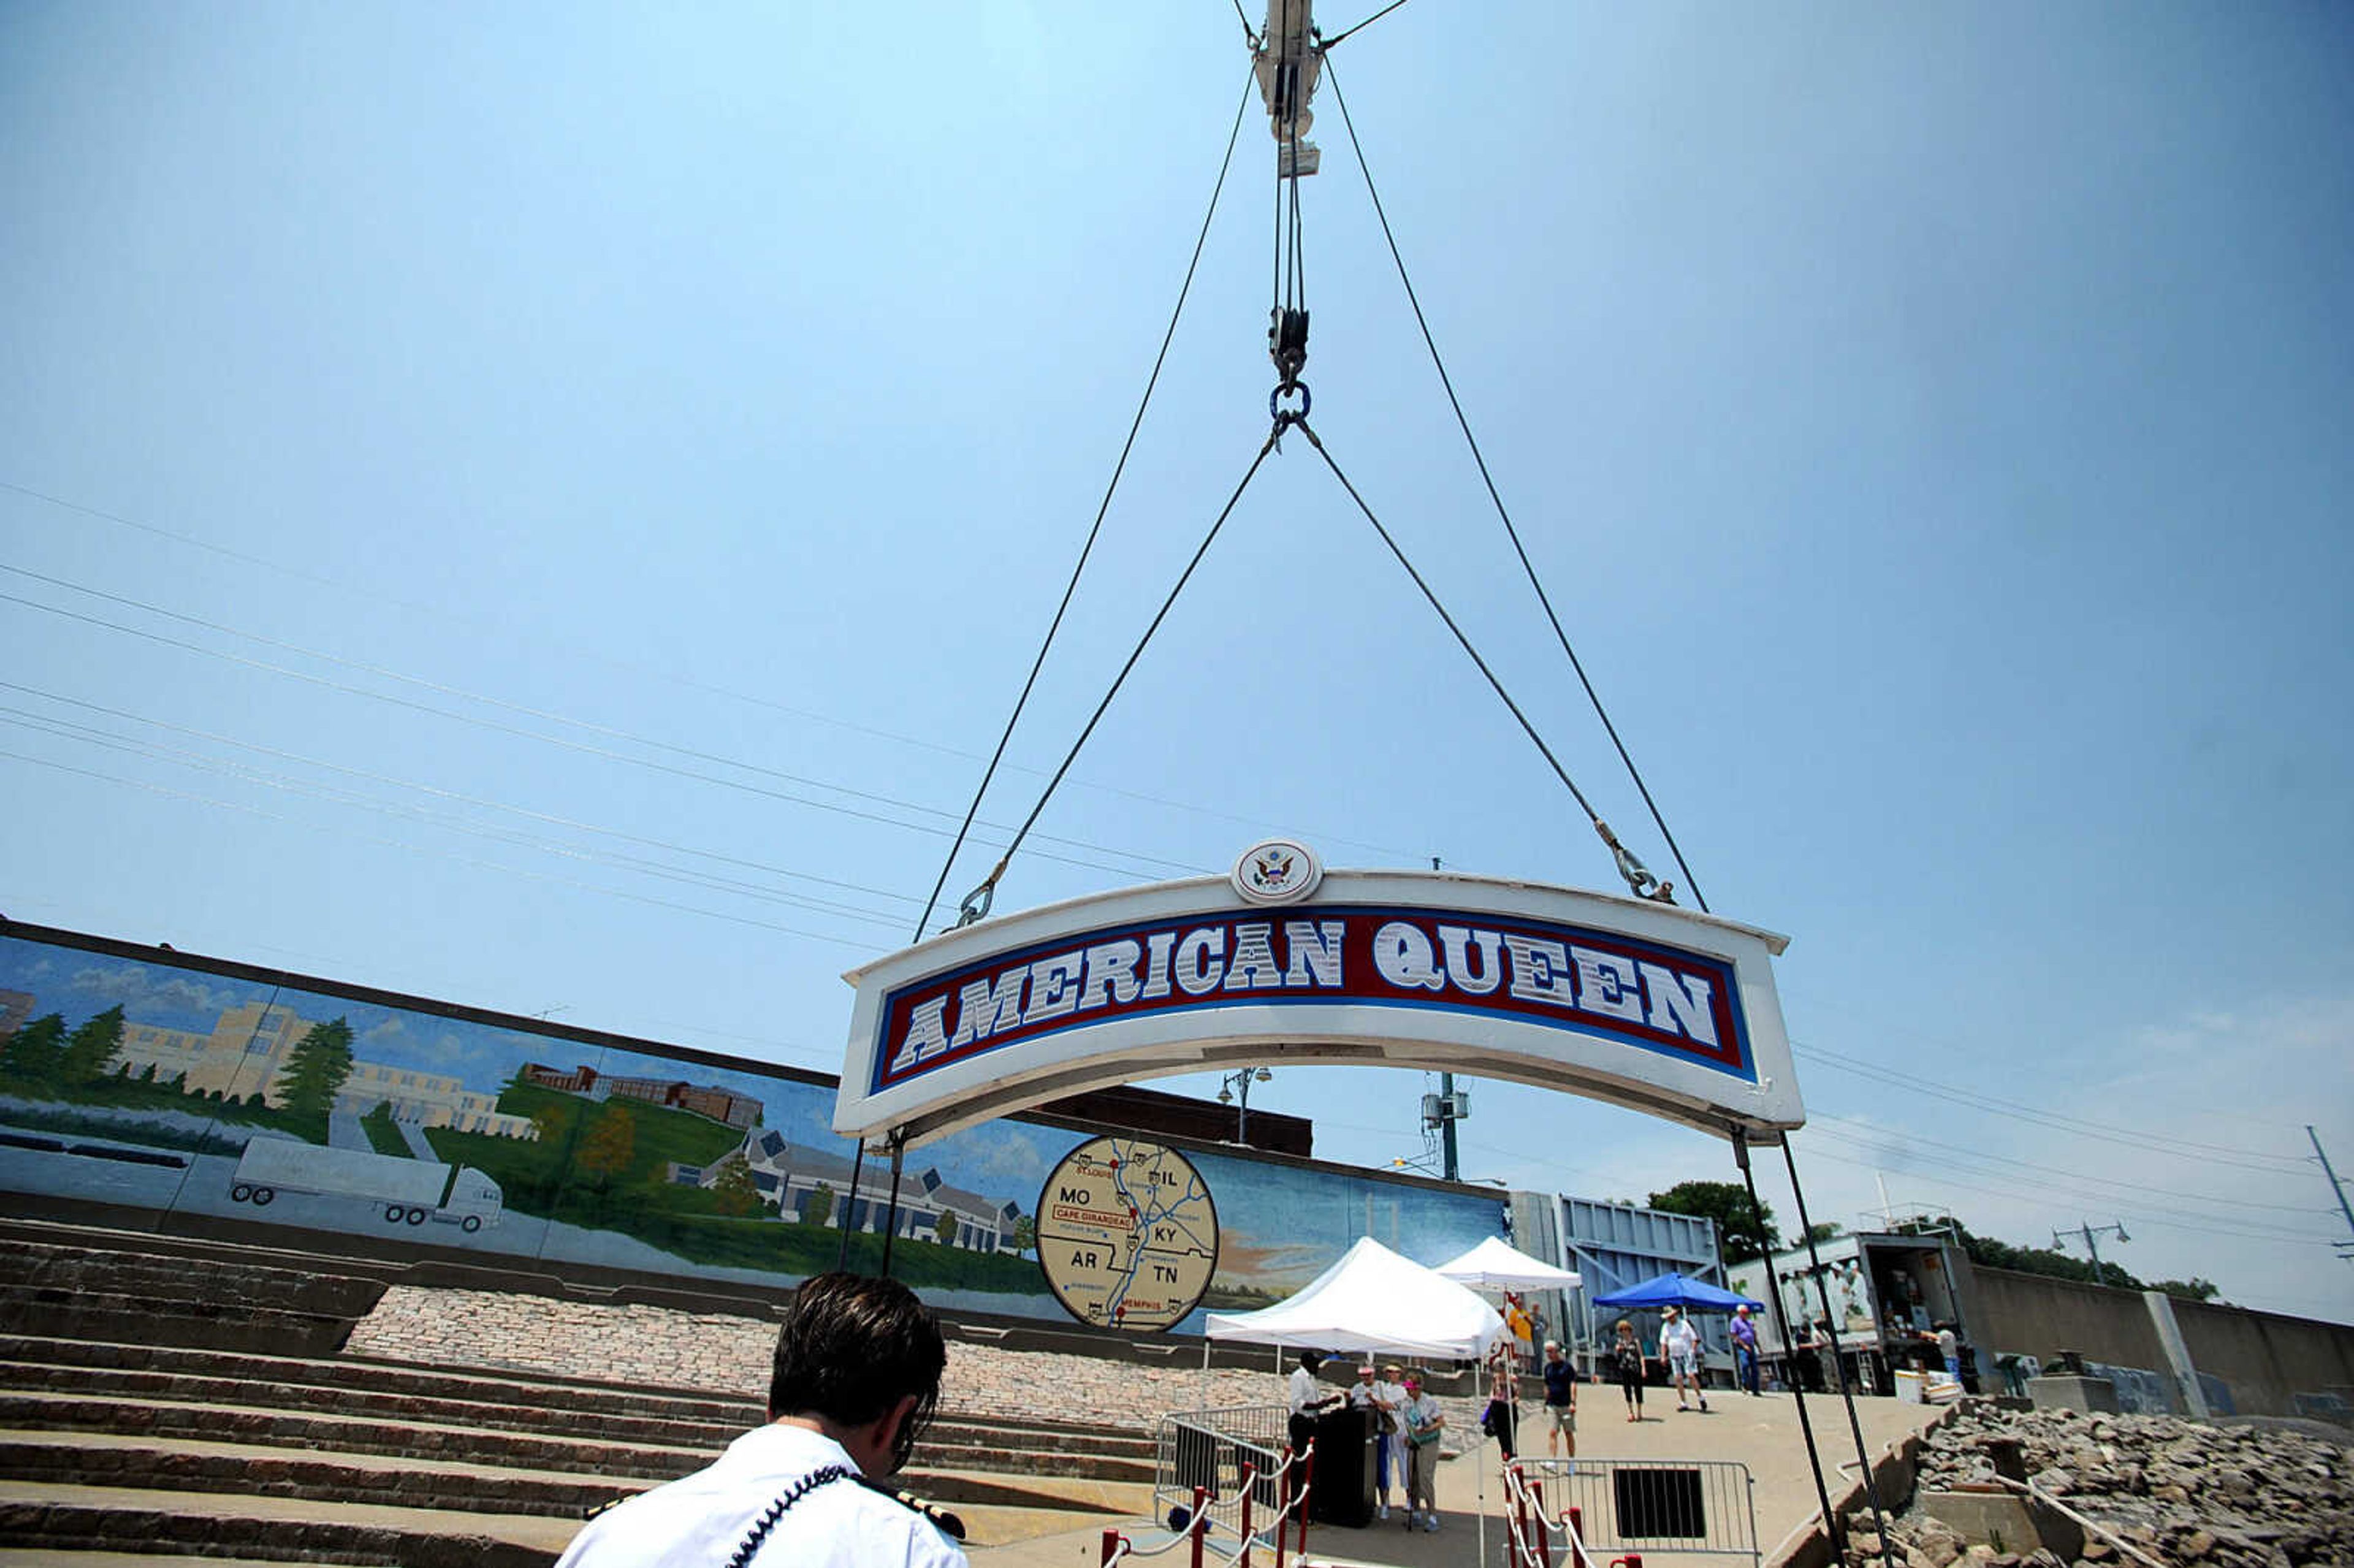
(54, 1520)
(107, 1459)
(346, 1435)
(391, 1392)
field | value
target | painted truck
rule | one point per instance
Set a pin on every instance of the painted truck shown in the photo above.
(411, 1191)
(1888, 1295)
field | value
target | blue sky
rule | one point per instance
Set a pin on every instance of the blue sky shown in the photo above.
(584, 485)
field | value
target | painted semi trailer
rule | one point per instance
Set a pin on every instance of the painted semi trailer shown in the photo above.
(411, 1191)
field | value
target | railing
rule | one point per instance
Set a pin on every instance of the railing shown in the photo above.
(1227, 1470)
(1584, 1513)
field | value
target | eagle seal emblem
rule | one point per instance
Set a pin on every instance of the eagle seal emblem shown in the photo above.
(1280, 871)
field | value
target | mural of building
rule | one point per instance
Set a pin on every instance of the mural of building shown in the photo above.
(721, 1105)
(790, 1175)
(245, 1053)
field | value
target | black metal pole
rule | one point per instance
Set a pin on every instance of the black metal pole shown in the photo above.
(1790, 1349)
(1847, 1393)
(850, 1206)
(891, 1216)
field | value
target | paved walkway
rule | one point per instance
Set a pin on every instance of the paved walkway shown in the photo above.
(1761, 1433)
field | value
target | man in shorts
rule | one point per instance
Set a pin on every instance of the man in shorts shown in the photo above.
(1680, 1348)
(1559, 1401)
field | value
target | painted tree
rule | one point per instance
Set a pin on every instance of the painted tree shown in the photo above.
(546, 1125)
(91, 1048)
(1025, 1234)
(606, 1152)
(820, 1207)
(946, 1229)
(33, 1052)
(734, 1191)
(316, 1069)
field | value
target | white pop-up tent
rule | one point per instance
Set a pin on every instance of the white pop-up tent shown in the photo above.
(1370, 1300)
(1495, 1266)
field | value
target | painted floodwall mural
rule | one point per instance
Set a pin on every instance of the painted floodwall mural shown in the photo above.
(201, 1090)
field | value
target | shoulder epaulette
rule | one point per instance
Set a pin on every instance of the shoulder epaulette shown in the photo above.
(946, 1524)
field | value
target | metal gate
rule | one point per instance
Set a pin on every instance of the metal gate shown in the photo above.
(1211, 1449)
(1659, 1508)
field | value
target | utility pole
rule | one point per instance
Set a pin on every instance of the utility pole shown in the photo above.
(2336, 1191)
(2088, 1231)
(1450, 1165)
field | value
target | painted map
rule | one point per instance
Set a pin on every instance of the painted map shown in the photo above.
(1127, 1235)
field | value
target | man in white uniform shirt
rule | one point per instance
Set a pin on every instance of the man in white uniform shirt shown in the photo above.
(856, 1378)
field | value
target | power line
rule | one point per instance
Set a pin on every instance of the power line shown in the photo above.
(445, 690)
(2044, 1196)
(151, 751)
(868, 947)
(559, 741)
(436, 790)
(1911, 1137)
(598, 655)
(2105, 1132)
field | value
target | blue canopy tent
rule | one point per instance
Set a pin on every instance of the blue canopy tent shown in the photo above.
(1677, 1290)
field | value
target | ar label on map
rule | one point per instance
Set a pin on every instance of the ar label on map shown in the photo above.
(1127, 1235)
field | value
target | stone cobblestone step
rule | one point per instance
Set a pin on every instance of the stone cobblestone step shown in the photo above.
(241, 1281)
(38, 1517)
(68, 1312)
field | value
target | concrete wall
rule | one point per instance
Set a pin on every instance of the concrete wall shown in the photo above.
(2265, 1359)
(2029, 1314)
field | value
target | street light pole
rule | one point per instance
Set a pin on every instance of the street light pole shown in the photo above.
(2089, 1231)
(1242, 1080)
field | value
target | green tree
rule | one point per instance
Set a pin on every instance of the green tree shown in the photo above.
(605, 1153)
(546, 1125)
(2191, 1289)
(1823, 1230)
(316, 1069)
(820, 1207)
(1739, 1224)
(91, 1048)
(33, 1052)
(1025, 1234)
(946, 1229)
(733, 1189)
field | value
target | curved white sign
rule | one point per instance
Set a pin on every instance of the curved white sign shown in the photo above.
(1615, 999)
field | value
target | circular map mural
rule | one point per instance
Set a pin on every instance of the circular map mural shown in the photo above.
(1127, 1235)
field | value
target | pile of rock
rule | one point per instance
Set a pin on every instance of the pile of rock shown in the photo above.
(2177, 1491)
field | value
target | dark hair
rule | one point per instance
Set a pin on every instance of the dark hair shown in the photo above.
(1311, 1360)
(851, 1347)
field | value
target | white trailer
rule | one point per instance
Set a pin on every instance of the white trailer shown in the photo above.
(411, 1191)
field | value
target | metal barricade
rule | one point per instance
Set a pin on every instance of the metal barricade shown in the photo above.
(1663, 1509)
(1211, 1449)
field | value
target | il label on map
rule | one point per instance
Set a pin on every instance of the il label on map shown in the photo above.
(1128, 1235)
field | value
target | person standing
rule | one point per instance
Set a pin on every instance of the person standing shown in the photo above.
(1949, 1345)
(1303, 1401)
(1560, 1400)
(1389, 1444)
(855, 1382)
(1422, 1421)
(1501, 1420)
(1626, 1361)
(1745, 1348)
(1680, 1348)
